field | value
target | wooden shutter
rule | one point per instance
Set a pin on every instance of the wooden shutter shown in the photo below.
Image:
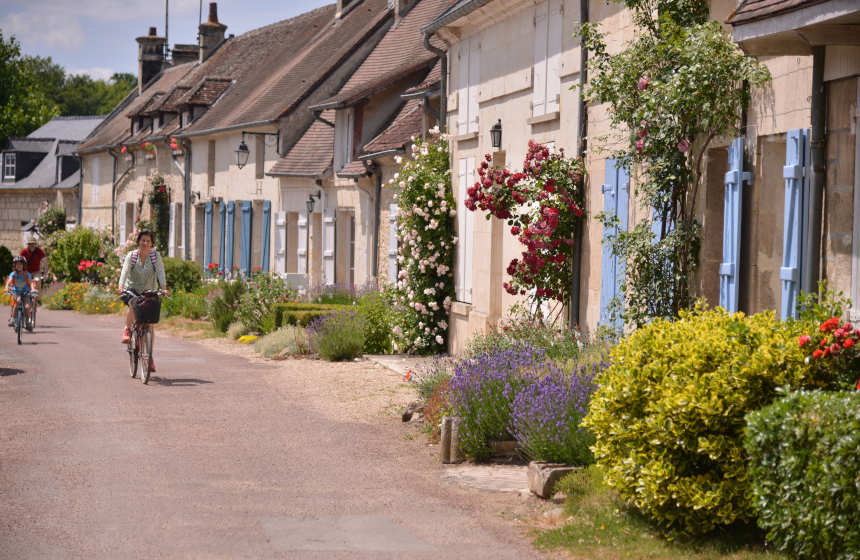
(539, 93)
(245, 249)
(280, 243)
(222, 229)
(461, 231)
(615, 202)
(207, 235)
(392, 243)
(302, 246)
(732, 218)
(171, 232)
(794, 230)
(463, 86)
(328, 251)
(469, 240)
(474, 82)
(266, 235)
(228, 243)
(553, 59)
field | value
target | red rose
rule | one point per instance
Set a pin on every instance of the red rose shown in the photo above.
(835, 348)
(817, 354)
(849, 342)
(803, 340)
(858, 384)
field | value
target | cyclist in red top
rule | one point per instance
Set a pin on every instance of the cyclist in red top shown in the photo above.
(34, 255)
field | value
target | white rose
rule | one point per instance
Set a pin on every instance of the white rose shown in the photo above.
(439, 339)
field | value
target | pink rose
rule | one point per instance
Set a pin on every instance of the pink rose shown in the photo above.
(639, 145)
(643, 82)
(683, 146)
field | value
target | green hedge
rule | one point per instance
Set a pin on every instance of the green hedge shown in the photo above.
(182, 275)
(669, 413)
(302, 313)
(804, 467)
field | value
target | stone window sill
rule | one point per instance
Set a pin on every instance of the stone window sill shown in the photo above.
(547, 117)
(466, 137)
(461, 308)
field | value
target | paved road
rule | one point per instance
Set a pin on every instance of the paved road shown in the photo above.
(211, 460)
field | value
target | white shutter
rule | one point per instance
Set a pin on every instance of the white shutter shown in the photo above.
(474, 82)
(281, 242)
(463, 87)
(392, 243)
(539, 92)
(171, 235)
(302, 248)
(553, 60)
(123, 228)
(461, 230)
(180, 224)
(329, 239)
(470, 237)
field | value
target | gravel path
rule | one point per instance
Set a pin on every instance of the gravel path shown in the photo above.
(223, 455)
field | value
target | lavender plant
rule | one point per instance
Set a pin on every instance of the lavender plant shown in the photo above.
(482, 392)
(339, 336)
(546, 414)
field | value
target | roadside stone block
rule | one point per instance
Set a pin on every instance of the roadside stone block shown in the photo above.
(544, 476)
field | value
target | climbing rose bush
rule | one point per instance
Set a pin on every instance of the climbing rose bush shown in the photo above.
(834, 349)
(425, 241)
(542, 205)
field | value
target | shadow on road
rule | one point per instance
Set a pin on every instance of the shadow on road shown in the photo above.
(10, 371)
(185, 382)
(39, 343)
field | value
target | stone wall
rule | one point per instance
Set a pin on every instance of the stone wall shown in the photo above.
(17, 208)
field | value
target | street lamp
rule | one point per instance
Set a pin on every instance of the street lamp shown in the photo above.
(242, 154)
(310, 201)
(496, 134)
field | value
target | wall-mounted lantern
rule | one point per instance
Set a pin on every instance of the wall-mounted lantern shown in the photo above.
(310, 201)
(243, 153)
(496, 135)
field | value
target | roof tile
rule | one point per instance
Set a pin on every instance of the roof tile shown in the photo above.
(312, 155)
(751, 10)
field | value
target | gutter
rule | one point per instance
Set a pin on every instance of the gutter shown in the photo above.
(443, 83)
(454, 15)
(381, 153)
(811, 271)
(574, 318)
(222, 129)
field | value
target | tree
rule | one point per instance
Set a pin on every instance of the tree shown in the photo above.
(24, 107)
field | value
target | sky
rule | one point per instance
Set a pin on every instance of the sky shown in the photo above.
(97, 37)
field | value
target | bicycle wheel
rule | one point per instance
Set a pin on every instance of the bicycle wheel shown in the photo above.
(19, 321)
(31, 324)
(145, 353)
(132, 353)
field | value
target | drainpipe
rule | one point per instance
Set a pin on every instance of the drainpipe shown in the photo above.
(114, 184)
(373, 169)
(443, 85)
(813, 241)
(582, 133)
(80, 188)
(186, 198)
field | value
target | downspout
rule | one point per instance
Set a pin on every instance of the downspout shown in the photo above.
(443, 85)
(114, 183)
(373, 169)
(186, 198)
(813, 241)
(582, 133)
(80, 189)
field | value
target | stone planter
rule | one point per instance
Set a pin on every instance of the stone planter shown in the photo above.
(544, 476)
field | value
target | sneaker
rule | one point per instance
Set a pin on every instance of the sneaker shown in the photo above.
(151, 365)
(126, 335)
(11, 321)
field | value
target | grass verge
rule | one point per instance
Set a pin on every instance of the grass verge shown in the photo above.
(190, 328)
(599, 526)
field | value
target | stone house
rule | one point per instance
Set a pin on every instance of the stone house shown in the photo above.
(213, 121)
(40, 170)
(346, 158)
(778, 205)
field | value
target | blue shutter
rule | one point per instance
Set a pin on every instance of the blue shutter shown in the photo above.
(732, 219)
(267, 228)
(245, 248)
(622, 211)
(228, 245)
(794, 213)
(207, 235)
(222, 212)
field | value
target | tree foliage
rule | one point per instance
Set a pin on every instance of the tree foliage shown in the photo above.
(676, 86)
(24, 106)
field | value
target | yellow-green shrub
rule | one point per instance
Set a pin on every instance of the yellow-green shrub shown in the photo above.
(69, 296)
(669, 413)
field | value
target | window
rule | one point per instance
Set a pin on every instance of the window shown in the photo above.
(468, 78)
(344, 131)
(465, 233)
(547, 65)
(9, 166)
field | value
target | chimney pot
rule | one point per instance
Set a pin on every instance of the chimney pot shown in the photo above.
(211, 32)
(213, 12)
(152, 32)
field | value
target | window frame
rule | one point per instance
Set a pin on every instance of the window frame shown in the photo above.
(7, 158)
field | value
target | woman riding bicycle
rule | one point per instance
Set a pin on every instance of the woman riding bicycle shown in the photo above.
(142, 270)
(19, 283)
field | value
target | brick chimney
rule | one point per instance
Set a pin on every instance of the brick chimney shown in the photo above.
(150, 57)
(211, 32)
(185, 53)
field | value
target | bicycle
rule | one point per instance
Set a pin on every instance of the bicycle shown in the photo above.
(140, 342)
(20, 321)
(34, 303)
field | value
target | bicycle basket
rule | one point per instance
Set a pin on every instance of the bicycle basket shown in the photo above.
(147, 309)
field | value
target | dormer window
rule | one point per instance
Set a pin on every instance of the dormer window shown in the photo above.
(156, 122)
(9, 166)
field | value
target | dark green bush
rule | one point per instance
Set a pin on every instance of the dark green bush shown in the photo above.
(669, 413)
(182, 275)
(804, 468)
(302, 314)
(5, 262)
(223, 301)
(375, 310)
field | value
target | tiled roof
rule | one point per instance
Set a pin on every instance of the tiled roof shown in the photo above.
(751, 10)
(170, 102)
(312, 155)
(431, 82)
(399, 53)
(116, 125)
(455, 10)
(68, 128)
(354, 168)
(206, 92)
(277, 66)
(151, 105)
(406, 124)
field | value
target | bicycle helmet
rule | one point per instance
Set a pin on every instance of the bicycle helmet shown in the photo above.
(19, 259)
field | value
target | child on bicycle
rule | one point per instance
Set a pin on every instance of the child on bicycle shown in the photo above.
(142, 270)
(19, 283)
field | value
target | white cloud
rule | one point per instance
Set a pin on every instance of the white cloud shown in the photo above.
(45, 29)
(96, 72)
